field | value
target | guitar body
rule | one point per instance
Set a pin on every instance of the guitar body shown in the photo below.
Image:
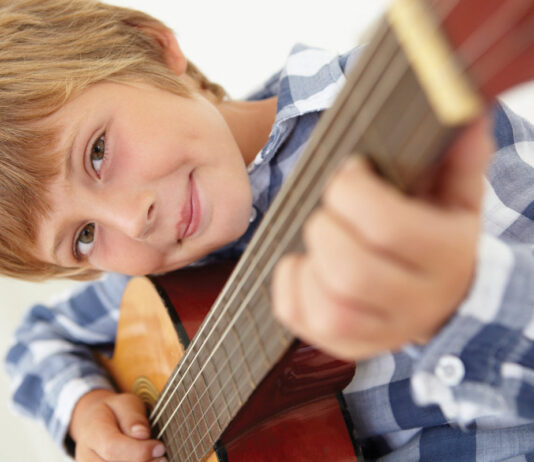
(297, 412)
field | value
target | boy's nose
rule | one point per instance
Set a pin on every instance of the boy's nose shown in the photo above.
(138, 219)
(131, 213)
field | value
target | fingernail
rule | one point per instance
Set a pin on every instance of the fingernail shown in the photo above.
(158, 451)
(140, 430)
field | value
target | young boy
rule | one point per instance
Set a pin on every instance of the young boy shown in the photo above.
(118, 156)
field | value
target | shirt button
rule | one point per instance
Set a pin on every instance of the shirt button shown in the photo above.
(253, 214)
(450, 370)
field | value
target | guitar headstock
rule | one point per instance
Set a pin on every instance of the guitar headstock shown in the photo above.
(492, 39)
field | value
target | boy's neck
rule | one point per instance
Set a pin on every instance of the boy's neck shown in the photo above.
(250, 123)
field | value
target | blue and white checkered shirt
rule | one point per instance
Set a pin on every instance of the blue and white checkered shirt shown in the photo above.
(466, 396)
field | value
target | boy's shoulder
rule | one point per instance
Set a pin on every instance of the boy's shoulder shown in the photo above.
(307, 70)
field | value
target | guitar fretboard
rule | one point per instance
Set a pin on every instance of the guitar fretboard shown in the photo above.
(381, 112)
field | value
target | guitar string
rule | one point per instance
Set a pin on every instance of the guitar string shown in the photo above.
(304, 213)
(229, 293)
(258, 280)
(296, 221)
(161, 401)
(251, 267)
(201, 336)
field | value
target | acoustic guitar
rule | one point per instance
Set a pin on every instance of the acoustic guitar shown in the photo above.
(223, 380)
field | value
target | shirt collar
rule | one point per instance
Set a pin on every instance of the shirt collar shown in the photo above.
(309, 82)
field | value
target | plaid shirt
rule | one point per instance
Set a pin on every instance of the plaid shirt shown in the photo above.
(468, 395)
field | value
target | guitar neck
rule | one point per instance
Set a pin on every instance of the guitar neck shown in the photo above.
(385, 111)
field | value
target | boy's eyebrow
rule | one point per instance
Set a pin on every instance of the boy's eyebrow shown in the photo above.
(70, 151)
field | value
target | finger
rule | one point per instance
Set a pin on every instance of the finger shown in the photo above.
(112, 445)
(299, 303)
(130, 413)
(460, 181)
(352, 271)
(380, 214)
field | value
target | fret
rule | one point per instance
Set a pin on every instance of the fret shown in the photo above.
(239, 293)
(413, 114)
(195, 440)
(187, 423)
(255, 359)
(174, 446)
(239, 342)
(209, 417)
(236, 360)
(229, 402)
(173, 449)
(224, 298)
(233, 367)
(377, 138)
(201, 446)
(422, 141)
(172, 425)
(227, 393)
(273, 347)
(254, 337)
(199, 395)
(214, 386)
(220, 327)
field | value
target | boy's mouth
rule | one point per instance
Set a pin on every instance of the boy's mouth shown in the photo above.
(190, 213)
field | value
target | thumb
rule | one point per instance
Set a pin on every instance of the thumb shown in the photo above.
(460, 181)
(130, 413)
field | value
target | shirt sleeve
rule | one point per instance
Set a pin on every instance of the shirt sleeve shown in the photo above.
(51, 361)
(482, 362)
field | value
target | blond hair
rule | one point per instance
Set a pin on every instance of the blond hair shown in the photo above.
(50, 50)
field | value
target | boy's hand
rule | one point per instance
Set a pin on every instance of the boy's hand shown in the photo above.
(383, 269)
(113, 427)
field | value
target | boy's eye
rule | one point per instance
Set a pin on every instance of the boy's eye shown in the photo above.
(98, 153)
(84, 241)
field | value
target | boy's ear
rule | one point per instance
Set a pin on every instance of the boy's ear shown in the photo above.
(172, 53)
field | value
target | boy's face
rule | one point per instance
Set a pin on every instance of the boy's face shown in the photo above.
(151, 182)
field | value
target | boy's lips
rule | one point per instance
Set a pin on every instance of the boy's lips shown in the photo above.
(190, 214)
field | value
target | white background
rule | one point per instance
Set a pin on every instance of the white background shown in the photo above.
(237, 43)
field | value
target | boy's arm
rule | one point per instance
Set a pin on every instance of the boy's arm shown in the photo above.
(58, 381)
(51, 362)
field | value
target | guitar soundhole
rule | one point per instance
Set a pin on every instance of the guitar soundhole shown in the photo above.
(146, 390)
